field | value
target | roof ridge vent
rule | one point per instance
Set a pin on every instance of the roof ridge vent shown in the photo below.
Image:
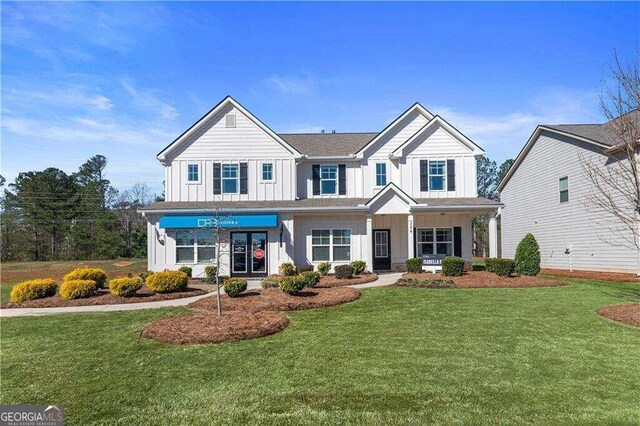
(322, 131)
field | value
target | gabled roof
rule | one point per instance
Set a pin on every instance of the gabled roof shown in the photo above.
(328, 144)
(392, 187)
(437, 120)
(213, 111)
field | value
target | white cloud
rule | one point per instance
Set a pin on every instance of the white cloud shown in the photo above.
(291, 85)
(148, 99)
(77, 97)
(303, 128)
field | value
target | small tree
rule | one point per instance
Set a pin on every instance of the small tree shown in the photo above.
(528, 256)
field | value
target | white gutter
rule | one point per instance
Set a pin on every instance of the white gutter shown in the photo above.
(350, 157)
(243, 210)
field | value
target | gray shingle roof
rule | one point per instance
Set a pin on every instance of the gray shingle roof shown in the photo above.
(328, 144)
(594, 132)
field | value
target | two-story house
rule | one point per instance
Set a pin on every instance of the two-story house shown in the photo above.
(406, 191)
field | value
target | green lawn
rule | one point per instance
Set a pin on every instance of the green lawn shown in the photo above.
(398, 355)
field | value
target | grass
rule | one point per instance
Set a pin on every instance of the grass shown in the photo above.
(12, 273)
(398, 355)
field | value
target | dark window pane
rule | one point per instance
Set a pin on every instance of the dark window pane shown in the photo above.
(320, 253)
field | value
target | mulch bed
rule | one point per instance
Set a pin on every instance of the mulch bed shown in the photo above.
(332, 281)
(205, 327)
(593, 275)
(483, 279)
(274, 299)
(629, 313)
(104, 297)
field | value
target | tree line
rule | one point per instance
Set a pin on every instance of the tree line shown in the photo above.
(52, 215)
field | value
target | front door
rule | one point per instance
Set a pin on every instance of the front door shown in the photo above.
(249, 254)
(381, 249)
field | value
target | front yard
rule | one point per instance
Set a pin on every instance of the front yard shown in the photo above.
(396, 355)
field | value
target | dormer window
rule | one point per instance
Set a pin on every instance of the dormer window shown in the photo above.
(230, 120)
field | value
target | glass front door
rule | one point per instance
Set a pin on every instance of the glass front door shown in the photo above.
(249, 253)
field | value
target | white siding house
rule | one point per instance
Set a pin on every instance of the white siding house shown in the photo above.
(383, 197)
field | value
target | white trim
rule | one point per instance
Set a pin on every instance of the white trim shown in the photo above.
(194, 182)
(273, 172)
(194, 247)
(560, 190)
(375, 175)
(386, 245)
(392, 187)
(337, 179)
(331, 245)
(222, 178)
(434, 242)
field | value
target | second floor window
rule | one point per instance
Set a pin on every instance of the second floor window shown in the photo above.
(230, 178)
(381, 174)
(193, 174)
(563, 184)
(328, 179)
(437, 173)
(267, 172)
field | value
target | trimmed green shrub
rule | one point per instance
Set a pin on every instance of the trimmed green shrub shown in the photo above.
(143, 275)
(168, 282)
(93, 274)
(304, 268)
(344, 272)
(503, 267)
(489, 264)
(210, 272)
(125, 287)
(77, 289)
(311, 278)
(478, 267)
(235, 286)
(528, 256)
(293, 284)
(425, 283)
(270, 282)
(287, 269)
(324, 268)
(452, 266)
(187, 270)
(414, 266)
(358, 267)
(33, 289)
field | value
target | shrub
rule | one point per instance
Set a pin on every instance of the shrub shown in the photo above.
(414, 266)
(304, 268)
(125, 287)
(344, 272)
(93, 274)
(452, 266)
(503, 267)
(143, 275)
(270, 282)
(167, 281)
(293, 284)
(210, 272)
(77, 289)
(490, 263)
(425, 283)
(235, 286)
(287, 269)
(187, 270)
(528, 256)
(310, 278)
(324, 268)
(358, 267)
(478, 267)
(33, 289)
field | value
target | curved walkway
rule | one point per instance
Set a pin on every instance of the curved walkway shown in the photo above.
(383, 280)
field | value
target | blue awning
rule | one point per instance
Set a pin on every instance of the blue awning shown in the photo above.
(227, 222)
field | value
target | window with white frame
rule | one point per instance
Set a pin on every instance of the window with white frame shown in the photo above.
(563, 185)
(331, 245)
(193, 173)
(195, 246)
(381, 174)
(434, 241)
(437, 175)
(267, 172)
(230, 179)
(328, 179)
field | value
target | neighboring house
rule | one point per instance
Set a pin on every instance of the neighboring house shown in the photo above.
(546, 192)
(409, 190)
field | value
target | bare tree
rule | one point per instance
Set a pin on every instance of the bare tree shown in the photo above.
(614, 198)
(224, 246)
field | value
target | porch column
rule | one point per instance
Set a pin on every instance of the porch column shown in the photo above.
(493, 235)
(369, 243)
(410, 248)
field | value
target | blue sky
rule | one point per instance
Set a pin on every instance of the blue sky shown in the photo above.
(124, 79)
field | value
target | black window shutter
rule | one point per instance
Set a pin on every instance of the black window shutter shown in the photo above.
(315, 171)
(451, 175)
(424, 175)
(217, 183)
(244, 179)
(457, 241)
(342, 179)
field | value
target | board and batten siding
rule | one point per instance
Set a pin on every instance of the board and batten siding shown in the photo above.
(246, 142)
(532, 204)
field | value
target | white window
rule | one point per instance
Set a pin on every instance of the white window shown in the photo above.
(331, 245)
(267, 172)
(381, 174)
(328, 179)
(193, 173)
(230, 179)
(230, 120)
(195, 246)
(437, 175)
(381, 240)
(563, 185)
(434, 241)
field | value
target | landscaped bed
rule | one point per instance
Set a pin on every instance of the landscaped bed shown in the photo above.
(274, 299)
(332, 281)
(629, 313)
(593, 275)
(205, 327)
(483, 279)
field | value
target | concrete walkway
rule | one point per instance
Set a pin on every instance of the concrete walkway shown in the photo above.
(383, 280)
